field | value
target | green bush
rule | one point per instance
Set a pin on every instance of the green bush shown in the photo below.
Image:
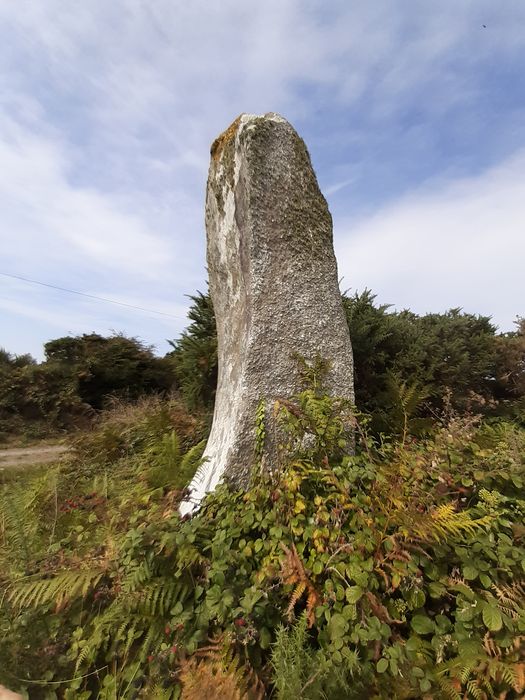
(115, 366)
(451, 358)
(394, 573)
(195, 355)
(80, 376)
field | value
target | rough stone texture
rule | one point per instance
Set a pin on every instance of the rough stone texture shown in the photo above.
(274, 286)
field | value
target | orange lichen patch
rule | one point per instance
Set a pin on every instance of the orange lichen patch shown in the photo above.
(220, 142)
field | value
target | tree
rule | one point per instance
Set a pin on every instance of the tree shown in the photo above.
(112, 366)
(453, 351)
(38, 399)
(9, 361)
(378, 337)
(509, 387)
(79, 374)
(195, 354)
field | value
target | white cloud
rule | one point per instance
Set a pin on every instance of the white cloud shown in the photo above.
(452, 243)
(42, 314)
(186, 68)
(46, 216)
(108, 110)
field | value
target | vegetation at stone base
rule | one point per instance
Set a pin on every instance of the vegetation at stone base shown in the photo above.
(401, 361)
(76, 379)
(394, 573)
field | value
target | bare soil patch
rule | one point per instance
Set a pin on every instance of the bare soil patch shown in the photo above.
(30, 456)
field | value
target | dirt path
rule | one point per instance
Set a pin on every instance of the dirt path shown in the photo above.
(28, 456)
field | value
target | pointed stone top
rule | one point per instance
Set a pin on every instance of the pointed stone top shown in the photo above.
(242, 120)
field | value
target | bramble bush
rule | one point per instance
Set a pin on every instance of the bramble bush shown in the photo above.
(396, 572)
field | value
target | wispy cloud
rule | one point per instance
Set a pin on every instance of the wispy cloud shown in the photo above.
(43, 205)
(51, 313)
(107, 110)
(451, 243)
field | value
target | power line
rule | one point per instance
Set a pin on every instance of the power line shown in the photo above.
(90, 296)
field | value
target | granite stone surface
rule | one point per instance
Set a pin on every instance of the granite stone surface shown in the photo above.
(274, 285)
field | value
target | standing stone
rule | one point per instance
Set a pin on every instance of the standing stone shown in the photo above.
(274, 286)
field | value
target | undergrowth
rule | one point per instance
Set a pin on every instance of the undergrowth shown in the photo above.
(397, 572)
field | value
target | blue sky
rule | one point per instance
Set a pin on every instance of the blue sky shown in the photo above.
(414, 114)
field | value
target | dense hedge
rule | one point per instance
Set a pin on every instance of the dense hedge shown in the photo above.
(402, 361)
(78, 377)
(400, 358)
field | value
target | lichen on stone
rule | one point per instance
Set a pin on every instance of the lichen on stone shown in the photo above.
(224, 138)
(223, 161)
(274, 284)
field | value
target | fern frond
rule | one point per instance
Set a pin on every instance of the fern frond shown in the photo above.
(484, 683)
(101, 627)
(158, 598)
(296, 595)
(137, 576)
(519, 681)
(60, 589)
(442, 523)
(511, 598)
(14, 525)
(500, 671)
(190, 462)
(466, 671)
(449, 688)
(448, 522)
(20, 523)
(475, 691)
(151, 638)
(157, 692)
(293, 573)
(130, 638)
(220, 675)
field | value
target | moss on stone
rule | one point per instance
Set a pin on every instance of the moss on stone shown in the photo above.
(305, 203)
(261, 137)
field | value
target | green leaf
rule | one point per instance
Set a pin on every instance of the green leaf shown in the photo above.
(338, 626)
(470, 573)
(436, 589)
(265, 638)
(353, 594)
(443, 624)
(349, 612)
(382, 665)
(422, 624)
(492, 617)
(486, 581)
(417, 599)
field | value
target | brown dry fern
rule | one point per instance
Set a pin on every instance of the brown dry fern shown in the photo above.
(216, 672)
(293, 573)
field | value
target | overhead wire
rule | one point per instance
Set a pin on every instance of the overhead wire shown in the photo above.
(90, 296)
